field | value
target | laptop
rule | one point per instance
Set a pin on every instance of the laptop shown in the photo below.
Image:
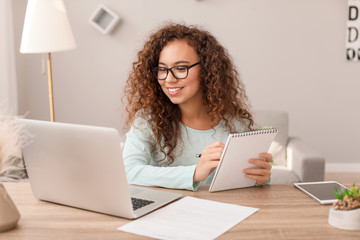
(81, 166)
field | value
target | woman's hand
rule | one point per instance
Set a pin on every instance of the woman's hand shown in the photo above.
(208, 162)
(262, 174)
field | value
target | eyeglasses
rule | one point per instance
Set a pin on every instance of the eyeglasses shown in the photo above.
(179, 71)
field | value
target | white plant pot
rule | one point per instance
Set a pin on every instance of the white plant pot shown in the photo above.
(9, 214)
(345, 219)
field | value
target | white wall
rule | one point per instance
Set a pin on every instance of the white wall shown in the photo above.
(8, 87)
(291, 56)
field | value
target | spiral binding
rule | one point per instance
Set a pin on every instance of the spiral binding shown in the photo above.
(254, 132)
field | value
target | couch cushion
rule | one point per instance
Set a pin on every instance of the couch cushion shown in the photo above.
(279, 120)
(283, 175)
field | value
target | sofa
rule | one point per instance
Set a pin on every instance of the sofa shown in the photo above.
(294, 160)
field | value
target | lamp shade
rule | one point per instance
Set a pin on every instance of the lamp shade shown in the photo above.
(46, 28)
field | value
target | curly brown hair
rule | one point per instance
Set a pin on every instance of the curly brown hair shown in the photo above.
(224, 94)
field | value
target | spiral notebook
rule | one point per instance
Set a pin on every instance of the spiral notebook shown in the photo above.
(239, 148)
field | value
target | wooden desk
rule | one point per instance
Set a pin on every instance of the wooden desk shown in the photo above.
(285, 213)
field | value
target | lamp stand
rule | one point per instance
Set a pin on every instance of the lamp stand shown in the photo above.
(51, 98)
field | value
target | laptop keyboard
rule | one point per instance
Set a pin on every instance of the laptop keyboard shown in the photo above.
(139, 203)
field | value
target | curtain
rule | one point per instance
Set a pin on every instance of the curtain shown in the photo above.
(8, 81)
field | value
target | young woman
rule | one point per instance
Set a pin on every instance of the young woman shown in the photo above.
(184, 96)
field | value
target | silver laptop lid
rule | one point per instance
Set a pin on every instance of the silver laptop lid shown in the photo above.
(79, 166)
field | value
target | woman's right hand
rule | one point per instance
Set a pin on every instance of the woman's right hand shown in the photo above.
(209, 160)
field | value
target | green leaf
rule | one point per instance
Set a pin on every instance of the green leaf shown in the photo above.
(354, 192)
(338, 194)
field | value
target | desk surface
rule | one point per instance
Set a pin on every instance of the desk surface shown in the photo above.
(285, 213)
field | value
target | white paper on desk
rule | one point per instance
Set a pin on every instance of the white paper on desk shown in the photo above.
(189, 218)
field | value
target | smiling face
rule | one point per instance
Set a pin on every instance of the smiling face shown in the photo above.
(184, 92)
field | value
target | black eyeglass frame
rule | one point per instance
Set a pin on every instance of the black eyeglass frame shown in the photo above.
(155, 71)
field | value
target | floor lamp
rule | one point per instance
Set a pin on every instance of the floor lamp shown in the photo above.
(47, 29)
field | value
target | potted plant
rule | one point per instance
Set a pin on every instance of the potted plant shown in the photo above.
(12, 138)
(345, 213)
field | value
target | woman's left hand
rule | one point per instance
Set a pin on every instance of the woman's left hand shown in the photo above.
(262, 174)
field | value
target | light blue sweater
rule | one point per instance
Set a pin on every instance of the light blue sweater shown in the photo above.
(140, 156)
